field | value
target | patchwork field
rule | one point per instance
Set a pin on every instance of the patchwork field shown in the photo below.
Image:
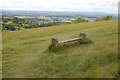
(24, 53)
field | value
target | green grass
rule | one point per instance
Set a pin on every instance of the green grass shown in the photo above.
(24, 53)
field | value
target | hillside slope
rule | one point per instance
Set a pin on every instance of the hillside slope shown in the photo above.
(24, 52)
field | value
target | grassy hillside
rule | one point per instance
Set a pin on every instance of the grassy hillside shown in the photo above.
(24, 52)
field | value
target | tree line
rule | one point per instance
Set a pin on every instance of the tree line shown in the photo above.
(15, 23)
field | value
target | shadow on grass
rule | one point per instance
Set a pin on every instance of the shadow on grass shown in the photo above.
(60, 48)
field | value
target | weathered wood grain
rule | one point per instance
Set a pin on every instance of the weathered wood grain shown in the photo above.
(70, 40)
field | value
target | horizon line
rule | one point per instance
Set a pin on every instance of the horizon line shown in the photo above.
(55, 11)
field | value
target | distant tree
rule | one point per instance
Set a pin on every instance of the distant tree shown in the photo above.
(79, 19)
(9, 27)
(107, 17)
(5, 21)
(12, 28)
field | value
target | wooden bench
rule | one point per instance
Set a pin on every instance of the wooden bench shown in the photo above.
(81, 35)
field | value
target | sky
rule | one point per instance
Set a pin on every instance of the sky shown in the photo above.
(107, 6)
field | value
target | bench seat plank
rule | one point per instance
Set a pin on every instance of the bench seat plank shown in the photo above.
(70, 40)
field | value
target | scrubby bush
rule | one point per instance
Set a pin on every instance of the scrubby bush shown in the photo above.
(56, 48)
(107, 17)
(85, 41)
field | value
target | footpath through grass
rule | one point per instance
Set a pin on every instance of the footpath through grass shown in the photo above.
(24, 53)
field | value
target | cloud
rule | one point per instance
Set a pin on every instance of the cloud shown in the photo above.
(62, 5)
